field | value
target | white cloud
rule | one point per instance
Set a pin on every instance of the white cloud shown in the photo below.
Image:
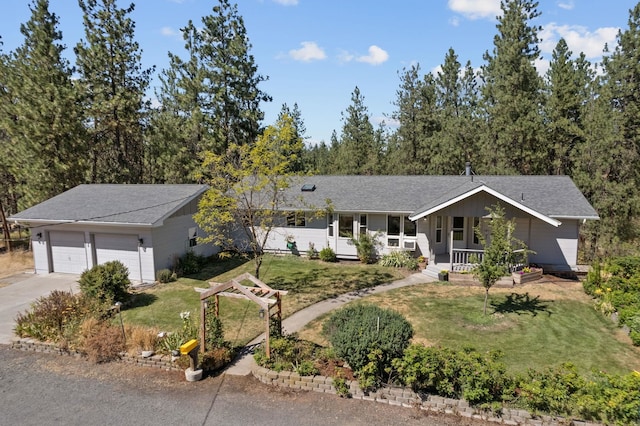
(542, 65)
(169, 32)
(476, 9)
(454, 21)
(287, 2)
(309, 51)
(376, 56)
(578, 38)
(345, 56)
(567, 5)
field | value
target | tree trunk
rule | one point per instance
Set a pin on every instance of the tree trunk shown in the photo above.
(258, 263)
(5, 229)
(486, 296)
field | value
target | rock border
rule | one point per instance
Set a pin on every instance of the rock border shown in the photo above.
(405, 397)
(156, 361)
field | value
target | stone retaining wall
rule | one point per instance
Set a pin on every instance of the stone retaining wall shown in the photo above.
(157, 361)
(405, 397)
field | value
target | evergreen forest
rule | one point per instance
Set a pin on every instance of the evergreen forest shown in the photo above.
(91, 121)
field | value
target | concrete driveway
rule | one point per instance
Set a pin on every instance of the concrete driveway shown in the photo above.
(22, 290)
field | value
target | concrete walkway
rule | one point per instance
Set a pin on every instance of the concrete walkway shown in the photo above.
(242, 365)
(19, 291)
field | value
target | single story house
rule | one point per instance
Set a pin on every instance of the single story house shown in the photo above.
(146, 227)
(435, 216)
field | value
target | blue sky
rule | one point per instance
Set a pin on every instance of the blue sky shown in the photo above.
(315, 52)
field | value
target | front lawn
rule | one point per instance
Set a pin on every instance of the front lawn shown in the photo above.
(308, 281)
(536, 325)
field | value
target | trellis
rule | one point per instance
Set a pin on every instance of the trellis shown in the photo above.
(269, 300)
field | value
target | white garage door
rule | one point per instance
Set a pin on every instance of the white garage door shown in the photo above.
(68, 253)
(119, 247)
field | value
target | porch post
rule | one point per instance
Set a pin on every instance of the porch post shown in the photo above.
(451, 249)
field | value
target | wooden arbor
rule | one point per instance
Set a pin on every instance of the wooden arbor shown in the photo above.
(263, 295)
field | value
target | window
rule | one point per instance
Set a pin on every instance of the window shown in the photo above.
(363, 224)
(330, 224)
(193, 237)
(458, 228)
(345, 225)
(393, 231)
(296, 220)
(438, 229)
(409, 228)
(393, 225)
(476, 224)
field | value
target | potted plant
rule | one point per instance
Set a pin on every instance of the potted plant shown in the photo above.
(422, 262)
(443, 275)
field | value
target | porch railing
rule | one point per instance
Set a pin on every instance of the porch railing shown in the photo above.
(466, 259)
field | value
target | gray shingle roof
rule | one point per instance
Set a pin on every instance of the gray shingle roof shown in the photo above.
(107, 203)
(552, 196)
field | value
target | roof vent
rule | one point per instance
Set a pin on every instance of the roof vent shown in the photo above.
(308, 187)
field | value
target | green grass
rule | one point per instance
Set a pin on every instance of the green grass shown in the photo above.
(308, 281)
(535, 327)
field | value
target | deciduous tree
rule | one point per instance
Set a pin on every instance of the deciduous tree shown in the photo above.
(247, 190)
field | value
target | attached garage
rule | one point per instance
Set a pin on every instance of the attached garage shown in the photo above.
(68, 252)
(109, 247)
(146, 227)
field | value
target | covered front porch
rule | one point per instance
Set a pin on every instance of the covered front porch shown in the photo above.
(463, 260)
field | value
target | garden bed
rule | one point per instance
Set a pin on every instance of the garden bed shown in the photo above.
(527, 275)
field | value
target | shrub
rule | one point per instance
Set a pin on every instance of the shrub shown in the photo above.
(480, 379)
(165, 276)
(366, 246)
(108, 282)
(399, 259)
(287, 353)
(552, 390)
(355, 331)
(141, 338)
(327, 255)
(312, 253)
(190, 263)
(215, 359)
(57, 317)
(101, 341)
(214, 332)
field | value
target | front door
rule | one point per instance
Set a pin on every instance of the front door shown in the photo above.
(459, 233)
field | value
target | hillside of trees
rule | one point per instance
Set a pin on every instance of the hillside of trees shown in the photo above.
(63, 124)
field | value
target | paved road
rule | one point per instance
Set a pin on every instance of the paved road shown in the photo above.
(42, 389)
(19, 291)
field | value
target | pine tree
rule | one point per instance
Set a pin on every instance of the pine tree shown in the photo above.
(605, 168)
(457, 98)
(356, 139)
(299, 134)
(567, 81)
(40, 115)
(410, 151)
(114, 86)
(512, 94)
(210, 99)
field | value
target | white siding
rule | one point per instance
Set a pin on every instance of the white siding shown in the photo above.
(554, 246)
(171, 240)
